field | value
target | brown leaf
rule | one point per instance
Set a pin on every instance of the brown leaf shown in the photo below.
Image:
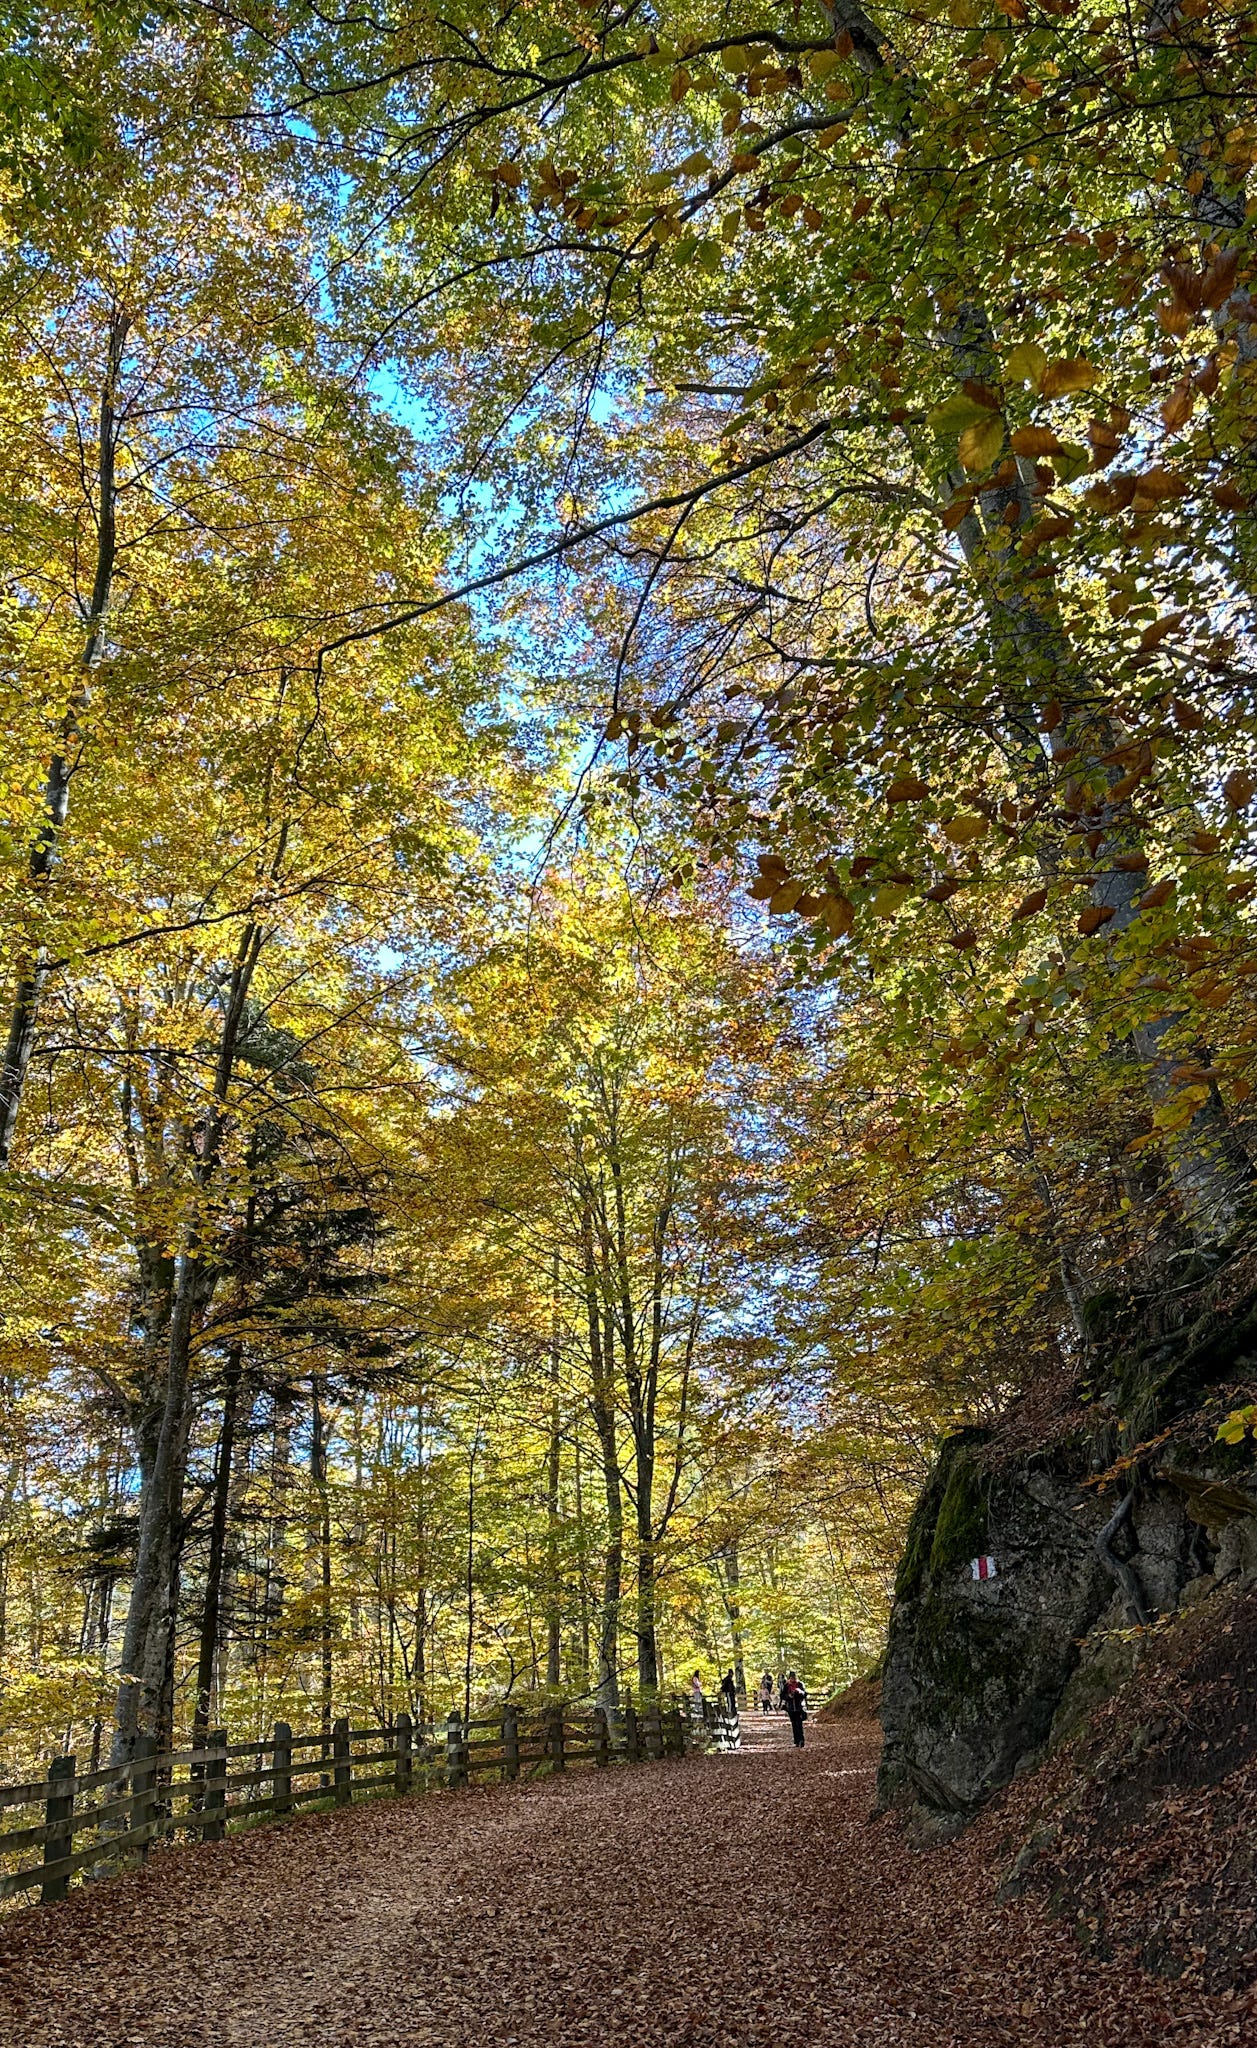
(1160, 893)
(964, 941)
(1031, 905)
(1218, 282)
(1043, 532)
(907, 789)
(1177, 409)
(1239, 788)
(838, 914)
(1092, 919)
(1036, 441)
(1153, 635)
(1185, 715)
(941, 891)
(1131, 863)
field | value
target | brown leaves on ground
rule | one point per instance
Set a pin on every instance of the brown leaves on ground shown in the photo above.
(679, 1905)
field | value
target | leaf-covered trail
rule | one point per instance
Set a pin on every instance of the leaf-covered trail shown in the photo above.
(691, 1903)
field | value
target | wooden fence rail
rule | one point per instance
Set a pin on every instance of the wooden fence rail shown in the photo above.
(116, 1814)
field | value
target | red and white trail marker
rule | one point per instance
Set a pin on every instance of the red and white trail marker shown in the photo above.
(982, 1567)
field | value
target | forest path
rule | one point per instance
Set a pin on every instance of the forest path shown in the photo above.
(697, 1903)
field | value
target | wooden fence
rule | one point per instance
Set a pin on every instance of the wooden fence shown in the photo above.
(99, 1821)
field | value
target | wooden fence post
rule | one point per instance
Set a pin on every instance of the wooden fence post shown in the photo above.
(632, 1746)
(143, 1787)
(455, 1754)
(510, 1742)
(554, 1738)
(602, 1747)
(654, 1731)
(405, 1753)
(58, 1816)
(678, 1731)
(215, 1780)
(342, 1769)
(282, 1781)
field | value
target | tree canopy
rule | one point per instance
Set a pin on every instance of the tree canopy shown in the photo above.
(626, 824)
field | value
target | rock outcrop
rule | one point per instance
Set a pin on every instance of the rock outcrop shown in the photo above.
(1031, 1576)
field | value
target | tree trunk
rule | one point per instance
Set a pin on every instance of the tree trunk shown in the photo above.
(733, 1607)
(33, 971)
(553, 1585)
(318, 1473)
(602, 1366)
(145, 1690)
(211, 1618)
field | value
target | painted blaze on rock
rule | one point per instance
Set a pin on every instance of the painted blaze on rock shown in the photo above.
(976, 1665)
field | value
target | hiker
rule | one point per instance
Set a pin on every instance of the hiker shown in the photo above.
(766, 1693)
(697, 1702)
(794, 1700)
(728, 1694)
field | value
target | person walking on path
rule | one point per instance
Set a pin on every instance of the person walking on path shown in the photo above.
(794, 1700)
(697, 1702)
(729, 1694)
(766, 1693)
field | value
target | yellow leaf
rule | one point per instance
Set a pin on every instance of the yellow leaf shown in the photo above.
(889, 900)
(1027, 364)
(963, 831)
(981, 442)
(1072, 374)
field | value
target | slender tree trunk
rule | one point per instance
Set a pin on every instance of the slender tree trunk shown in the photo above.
(554, 1647)
(733, 1607)
(211, 1618)
(318, 1473)
(470, 1585)
(601, 1365)
(32, 973)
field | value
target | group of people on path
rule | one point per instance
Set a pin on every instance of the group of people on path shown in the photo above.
(786, 1694)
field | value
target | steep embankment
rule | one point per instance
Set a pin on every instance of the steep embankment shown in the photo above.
(1078, 1602)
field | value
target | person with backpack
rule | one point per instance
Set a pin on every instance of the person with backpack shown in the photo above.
(766, 1693)
(794, 1700)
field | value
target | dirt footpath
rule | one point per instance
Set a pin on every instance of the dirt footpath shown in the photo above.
(702, 1903)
